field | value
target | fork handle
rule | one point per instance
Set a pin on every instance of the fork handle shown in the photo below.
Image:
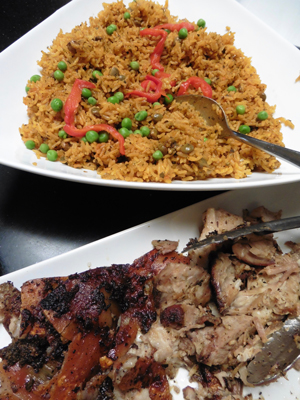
(291, 156)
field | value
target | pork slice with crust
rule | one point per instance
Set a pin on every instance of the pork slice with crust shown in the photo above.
(256, 250)
(216, 345)
(215, 221)
(261, 214)
(227, 275)
(178, 282)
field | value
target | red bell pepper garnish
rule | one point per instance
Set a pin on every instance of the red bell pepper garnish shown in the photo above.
(74, 98)
(73, 131)
(177, 26)
(162, 75)
(155, 56)
(196, 83)
(148, 84)
(151, 97)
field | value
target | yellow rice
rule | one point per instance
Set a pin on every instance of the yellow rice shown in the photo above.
(204, 54)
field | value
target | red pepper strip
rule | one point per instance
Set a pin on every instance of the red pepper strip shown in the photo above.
(196, 83)
(152, 85)
(151, 97)
(72, 131)
(158, 83)
(155, 56)
(74, 98)
(177, 27)
(162, 75)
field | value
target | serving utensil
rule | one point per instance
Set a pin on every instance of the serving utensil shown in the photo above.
(204, 106)
(261, 228)
(277, 356)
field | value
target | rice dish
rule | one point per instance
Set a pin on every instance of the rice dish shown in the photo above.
(143, 59)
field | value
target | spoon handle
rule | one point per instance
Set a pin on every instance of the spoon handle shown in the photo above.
(288, 155)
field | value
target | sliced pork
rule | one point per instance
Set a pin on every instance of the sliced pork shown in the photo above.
(122, 332)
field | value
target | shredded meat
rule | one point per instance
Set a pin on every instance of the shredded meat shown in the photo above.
(122, 332)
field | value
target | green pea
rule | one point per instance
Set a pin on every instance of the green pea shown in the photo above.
(205, 139)
(262, 115)
(83, 139)
(91, 100)
(44, 148)
(141, 29)
(58, 75)
(145, 130)
(52, 155)
(119, 95)
(92, 136)
(157, 155)
(27, 88)
(231, 89)
(240, 109)
(124, 132)
(30, 144)
(168, 99)
(96, 74)
(134, 65)
(138, 132)
(244, 129)
(62, 66)
(103, 137)
(167, 30)
(183, 33)
(207, 80)
(113, 100)
(201, 23)
(156, 104)
(127, 15)
(62, 134)
(110, 29)
(56, 104)
(126, 123)
(153, 72)
(141, 115)
(86, 93)
(35, 78)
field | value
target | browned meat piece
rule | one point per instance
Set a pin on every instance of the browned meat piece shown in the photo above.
(190, 393)
(261, 214)
(156, 261)
(10, 305)
(259, 252)
(225, 280)
(177, 282)
(165, 246)
(216, 345)
(218, 221)
(147, 373)
(172, 317)
(214, 222)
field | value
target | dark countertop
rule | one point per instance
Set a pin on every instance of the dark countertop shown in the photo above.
(41, 217)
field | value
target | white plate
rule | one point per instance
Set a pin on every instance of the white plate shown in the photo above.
(276, 60)
(181, 225)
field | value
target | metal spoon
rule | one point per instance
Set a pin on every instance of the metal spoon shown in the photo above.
(204, 106)
(277, 356)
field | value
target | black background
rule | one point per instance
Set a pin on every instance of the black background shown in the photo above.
(42, 217)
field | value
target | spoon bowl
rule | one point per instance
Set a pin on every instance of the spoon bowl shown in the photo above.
(205, 107)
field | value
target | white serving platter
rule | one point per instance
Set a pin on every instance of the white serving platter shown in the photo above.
(276, 60)
(126, 246)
